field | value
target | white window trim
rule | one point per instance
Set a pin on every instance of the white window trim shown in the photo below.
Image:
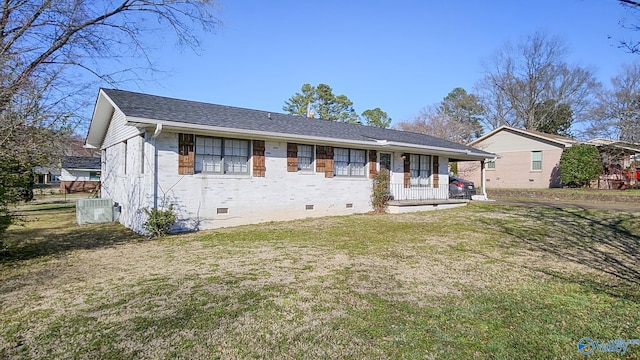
(222, 157)
(428, 178)
(349, 162)
(312, 165)
(532, 161)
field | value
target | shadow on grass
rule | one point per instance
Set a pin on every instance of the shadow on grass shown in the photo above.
(52, 206)
(60, 234)
(607, 241)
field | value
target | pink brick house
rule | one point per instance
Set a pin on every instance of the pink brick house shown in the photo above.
(527, 159)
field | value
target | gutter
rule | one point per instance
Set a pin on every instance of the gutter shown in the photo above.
(253, 134)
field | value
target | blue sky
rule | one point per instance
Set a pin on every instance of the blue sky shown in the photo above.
(397, 55)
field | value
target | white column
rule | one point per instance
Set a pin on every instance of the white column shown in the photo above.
(483, 179)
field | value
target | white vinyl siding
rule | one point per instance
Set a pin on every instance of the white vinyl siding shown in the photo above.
(118, 131)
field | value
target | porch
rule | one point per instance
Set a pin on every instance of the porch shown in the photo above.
(421, 198)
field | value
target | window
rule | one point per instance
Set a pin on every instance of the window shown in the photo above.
(222, 156)
(94, 175)
(420, 169)
(491, 165)
(305, 157)
(536, 160)
(349, 162)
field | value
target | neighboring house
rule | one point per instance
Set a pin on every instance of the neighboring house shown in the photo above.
(80, 174)
(621, 163)
(527, 159)
(222, 166)
(45, 175)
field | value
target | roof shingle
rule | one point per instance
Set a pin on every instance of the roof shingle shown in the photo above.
(81, 162)
(154, 107)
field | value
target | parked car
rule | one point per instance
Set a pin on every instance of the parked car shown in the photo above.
(461, 188)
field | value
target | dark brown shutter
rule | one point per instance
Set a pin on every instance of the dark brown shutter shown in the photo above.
(324, 160)
(186, 157)
(328, 166)
(436, 166)
(320, 155)
(292, 157)
(373, 159)
(259, 167)
(407, 170)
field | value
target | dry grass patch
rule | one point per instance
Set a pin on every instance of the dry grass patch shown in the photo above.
(480, 281)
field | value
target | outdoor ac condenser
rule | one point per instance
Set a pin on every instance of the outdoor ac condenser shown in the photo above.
(94, 211)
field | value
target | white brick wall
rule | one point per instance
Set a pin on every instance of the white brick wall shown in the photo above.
(131, 190)
(280, 195)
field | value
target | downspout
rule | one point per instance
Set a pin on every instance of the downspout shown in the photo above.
(155, 165)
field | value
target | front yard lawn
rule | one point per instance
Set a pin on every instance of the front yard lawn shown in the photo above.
(482, 281)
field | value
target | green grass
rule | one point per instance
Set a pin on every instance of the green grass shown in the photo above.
(568, 193)
(482, 281)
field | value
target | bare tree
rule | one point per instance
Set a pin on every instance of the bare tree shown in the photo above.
(432, 121)
(617, 113)
(456, 118)
(53, 51)
(41, 39)
(633, 46)
(519, 78)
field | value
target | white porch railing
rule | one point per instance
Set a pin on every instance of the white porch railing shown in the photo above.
(400, 192)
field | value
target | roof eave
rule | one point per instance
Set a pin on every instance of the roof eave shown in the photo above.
(100, 120)
(369, 144)
(524, 132)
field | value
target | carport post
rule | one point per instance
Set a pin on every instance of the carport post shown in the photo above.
(483, 179)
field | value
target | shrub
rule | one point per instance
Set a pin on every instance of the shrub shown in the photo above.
(159, 222)
(579, 165)
(380, 191)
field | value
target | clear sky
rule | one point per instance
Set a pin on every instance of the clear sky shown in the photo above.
(399, 55)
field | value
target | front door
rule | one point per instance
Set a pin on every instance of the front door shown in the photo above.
(385, 161)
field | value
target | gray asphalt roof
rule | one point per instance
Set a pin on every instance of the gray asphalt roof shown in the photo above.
(192, 112)
(81, 162)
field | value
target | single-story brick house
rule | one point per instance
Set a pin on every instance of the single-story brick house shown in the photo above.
(527, 159)
(80, 174)
(222, 166)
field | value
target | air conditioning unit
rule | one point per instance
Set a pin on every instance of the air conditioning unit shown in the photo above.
(94, 211)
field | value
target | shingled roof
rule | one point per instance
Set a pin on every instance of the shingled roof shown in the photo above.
(150, 107)
(81, 163)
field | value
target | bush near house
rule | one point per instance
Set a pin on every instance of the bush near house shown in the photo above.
(380, 191)
(579, 165)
